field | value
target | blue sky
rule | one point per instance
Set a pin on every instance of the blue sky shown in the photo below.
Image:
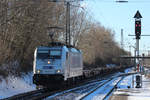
(120, 15)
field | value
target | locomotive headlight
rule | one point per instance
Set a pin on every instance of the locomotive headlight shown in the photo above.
(58, 71)
(38, 71)
(48, 62)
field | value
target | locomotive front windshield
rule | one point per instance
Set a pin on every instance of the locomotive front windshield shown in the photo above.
(49, 54)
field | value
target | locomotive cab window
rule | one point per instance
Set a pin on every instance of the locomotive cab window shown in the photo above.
(49, 54)
(56, 54)
(42, 54)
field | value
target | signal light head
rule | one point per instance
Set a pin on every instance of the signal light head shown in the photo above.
(138, 28)
(136, 25)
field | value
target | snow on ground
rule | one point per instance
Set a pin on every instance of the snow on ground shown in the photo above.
(125, 83)
(128, 70)
(76, 95)
(15, 85)
(100, 93)
(126, 93)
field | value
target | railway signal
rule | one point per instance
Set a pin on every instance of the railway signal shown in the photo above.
(138, 29)
(138, 34)
(138, 24)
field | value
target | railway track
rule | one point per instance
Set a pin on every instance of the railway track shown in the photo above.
(111, 90)
(27, 95)
(91, 86)
(103, 87)
(43, 93)
(82, 88)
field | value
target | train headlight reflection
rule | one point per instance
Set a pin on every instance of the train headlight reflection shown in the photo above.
(48, 62)
(38, 71)
(58, 71)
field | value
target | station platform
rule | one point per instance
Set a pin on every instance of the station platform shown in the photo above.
(127, 91)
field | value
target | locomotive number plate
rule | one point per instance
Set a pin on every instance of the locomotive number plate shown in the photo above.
(47, 67)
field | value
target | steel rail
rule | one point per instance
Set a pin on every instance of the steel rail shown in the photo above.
(96, 89)
(23, 96)
(43, 93)
(111, 90)
(84, 84)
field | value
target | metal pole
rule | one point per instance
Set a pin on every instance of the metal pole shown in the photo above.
(137, 46)
(141, 81)
(137, 50)
(138, 62)
(130, 54)
(68, 23)
(122, 38)
(135, 58)
(132, 81)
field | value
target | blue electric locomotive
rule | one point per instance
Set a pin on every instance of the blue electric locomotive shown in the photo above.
(56, 64)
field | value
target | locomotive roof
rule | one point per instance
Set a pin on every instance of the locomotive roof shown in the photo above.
(59, 48)
(58, 45)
